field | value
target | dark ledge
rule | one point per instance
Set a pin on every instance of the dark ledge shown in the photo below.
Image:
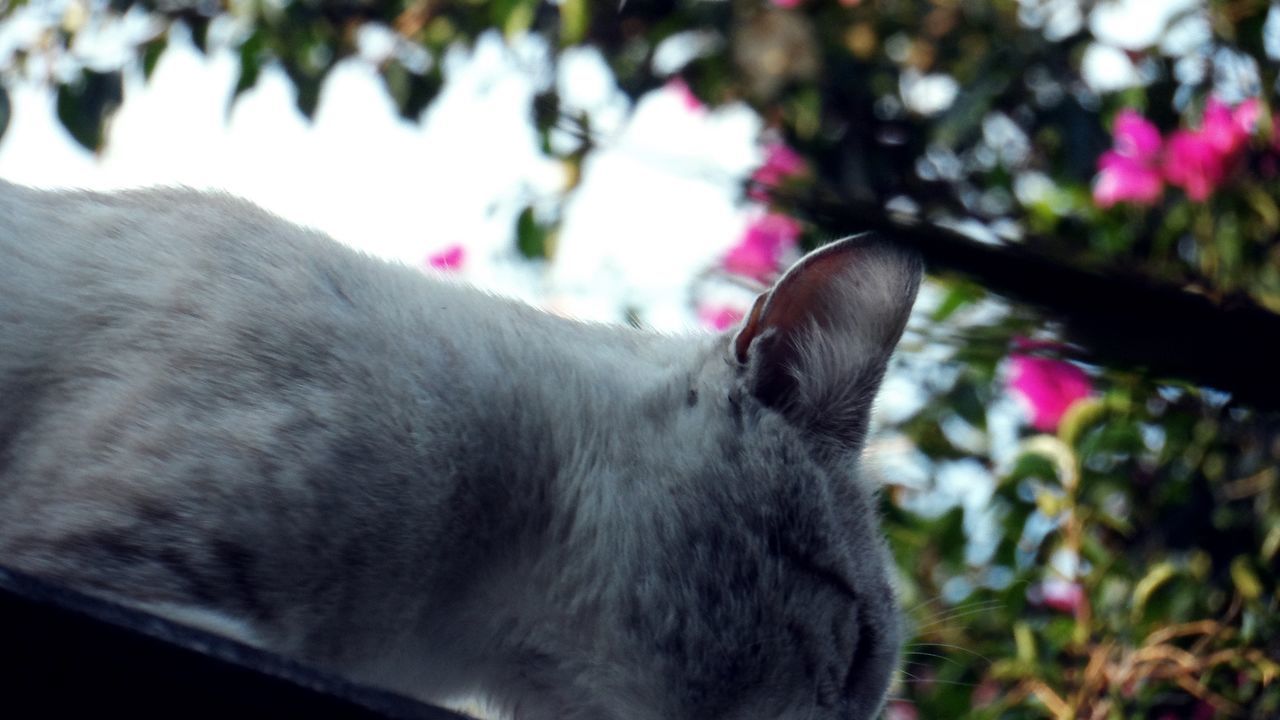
(65, 654)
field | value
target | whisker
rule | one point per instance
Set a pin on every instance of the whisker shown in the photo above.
(951, 646)
(959, 683)
(921, 653)
(954, 612)
(923, 603)
(969, 606)
(960, 612)
(924, 681)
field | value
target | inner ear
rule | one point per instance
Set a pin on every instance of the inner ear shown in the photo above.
(794, 302)
(773, 350)
(815, 346)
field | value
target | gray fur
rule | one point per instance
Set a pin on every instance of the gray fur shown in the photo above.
(222, 418)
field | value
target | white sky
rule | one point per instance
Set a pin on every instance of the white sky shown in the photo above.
(656, 206)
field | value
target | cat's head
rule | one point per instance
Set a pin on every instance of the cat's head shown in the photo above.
(734, 567)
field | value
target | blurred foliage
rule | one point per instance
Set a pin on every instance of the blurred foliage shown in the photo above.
(1126, 563)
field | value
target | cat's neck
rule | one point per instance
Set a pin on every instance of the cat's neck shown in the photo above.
(514, 400)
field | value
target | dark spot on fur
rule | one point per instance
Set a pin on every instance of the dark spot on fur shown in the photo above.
(189, 576)
(692, 399)
(153, 513)
(336, 288)
(236, 563)
(112, 548)
(21, 399)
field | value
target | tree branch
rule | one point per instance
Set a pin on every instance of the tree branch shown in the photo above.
(1122, 319)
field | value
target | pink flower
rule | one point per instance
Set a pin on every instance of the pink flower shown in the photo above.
(1195, 163)
(901, 710)
(1059, 594)
(1198, 161)
(765, 240)
(448, 259)
(1131, 171)
(1247, 114)
(780, 164)
(1135, 136)
(681, 89)
(1049, 386)
(1227, 129)
(1126, 179)
(987, 692)
(719, 317)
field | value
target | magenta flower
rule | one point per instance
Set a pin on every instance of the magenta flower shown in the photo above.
(447, 260)
(719, 317)
(765, 240)
(780, 164)
(1049, 386)
(1198, 161)
(1195, 163)
(1059, 594)
(681, 89)
(1125, 179)
(901, 710)
(1131, 171)
(1227, 129)
(1135, 136)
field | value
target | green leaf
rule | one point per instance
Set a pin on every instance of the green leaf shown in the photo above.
(1157, 576)
(532, 239)
(513, 17)
(574, 19)
(306, 85)
(1245, 579)
(1025, 640)
(1059, 632)
(964, 399)
(252, 53)
(1271, 545)
(1032, 465)
(85, 105)
(413, 92)
(959, 294)
(199, 31)
(6, 109)
(151, 55)
(1080, 416)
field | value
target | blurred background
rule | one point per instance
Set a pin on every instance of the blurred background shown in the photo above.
(1079, 441)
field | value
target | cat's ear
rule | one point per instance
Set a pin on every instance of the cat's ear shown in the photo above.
(815, 347)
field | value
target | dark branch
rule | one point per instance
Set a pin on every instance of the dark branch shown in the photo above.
(1122, 319)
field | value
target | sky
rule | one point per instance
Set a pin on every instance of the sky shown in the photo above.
(657, 205)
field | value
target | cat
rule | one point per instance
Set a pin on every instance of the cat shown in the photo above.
(224, 419)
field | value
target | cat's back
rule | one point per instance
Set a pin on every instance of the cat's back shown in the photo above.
(145, 244)
(97, 276)
(190, 385)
